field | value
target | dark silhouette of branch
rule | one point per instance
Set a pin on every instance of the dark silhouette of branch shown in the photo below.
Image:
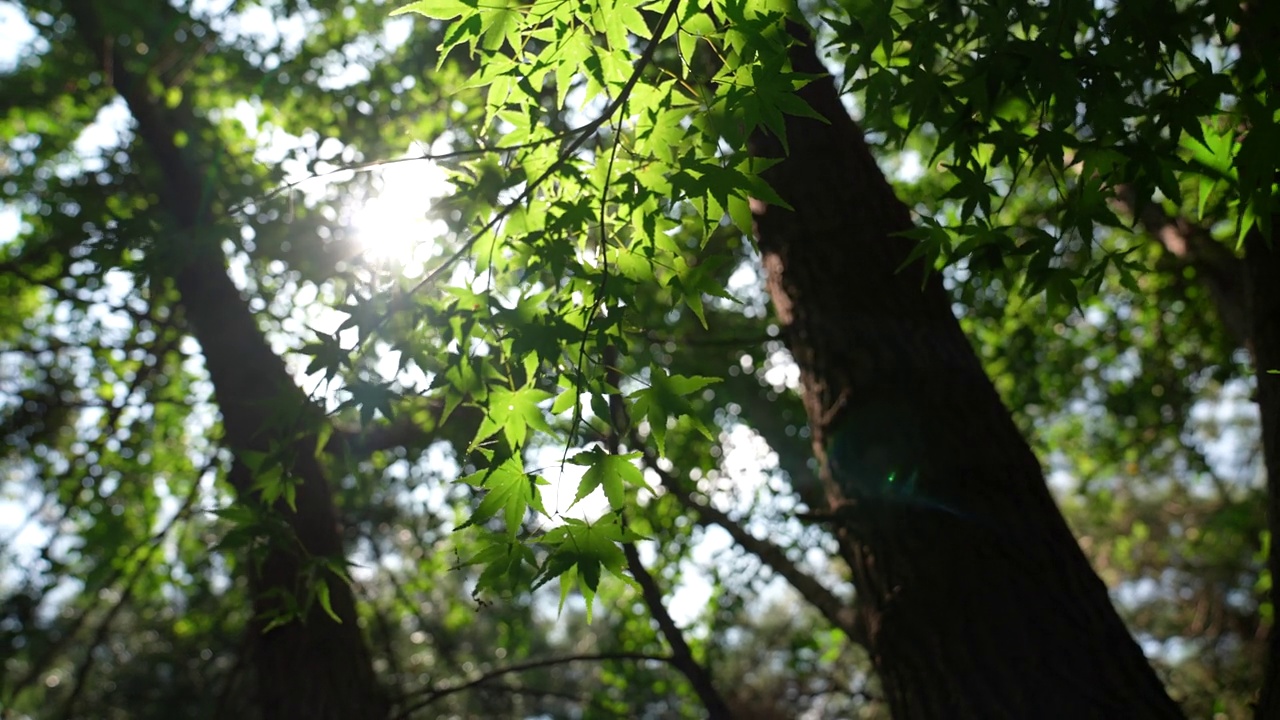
(1220, 270)
(837, 612)
(681, 655)
(408, 430)
(434, 694)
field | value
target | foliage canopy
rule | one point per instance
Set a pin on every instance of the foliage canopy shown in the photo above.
(572, 372)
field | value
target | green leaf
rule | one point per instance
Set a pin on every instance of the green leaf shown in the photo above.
(322, 594)
(631, 18)
(589, 548)
(513, 412)
(740, 213)
(500, 26)
(507, 564)
(437, 9)
(613, 472)
(510, 490)
(667, 396)
(371, 398)
(566, 400)
(691, 30)
(322, 437)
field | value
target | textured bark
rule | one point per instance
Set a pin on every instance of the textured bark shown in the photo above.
(978, 602)
(1259, 34)
(317, 669)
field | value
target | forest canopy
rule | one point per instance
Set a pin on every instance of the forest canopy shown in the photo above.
(638, 358)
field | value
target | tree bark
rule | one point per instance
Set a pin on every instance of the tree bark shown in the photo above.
(315, 668)
(1262, 260)
(1259, 33)
(978, 602)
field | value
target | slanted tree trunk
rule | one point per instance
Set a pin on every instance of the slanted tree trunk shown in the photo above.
(977, 601)
(315, 668)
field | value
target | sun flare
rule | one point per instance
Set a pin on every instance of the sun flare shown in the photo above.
(394, 227)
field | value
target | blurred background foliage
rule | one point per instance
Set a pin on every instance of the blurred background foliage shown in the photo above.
(120, 595)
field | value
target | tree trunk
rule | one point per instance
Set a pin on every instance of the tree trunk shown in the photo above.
(978, 602)
(1262, 261)
(1258, 35)
(315, 668)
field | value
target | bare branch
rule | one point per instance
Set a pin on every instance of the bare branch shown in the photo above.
(837, 612)
(435, 694)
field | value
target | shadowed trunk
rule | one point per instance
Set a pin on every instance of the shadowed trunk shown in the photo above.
(1259, 68)
(977, 601)
(1262, 262)
(315, 668)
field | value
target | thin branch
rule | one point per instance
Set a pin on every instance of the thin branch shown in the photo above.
(681, 655)
(371, 165)
(591, 702)
(435, 694)
(837, 612)
(405, 431)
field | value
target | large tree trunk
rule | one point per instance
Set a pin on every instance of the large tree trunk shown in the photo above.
(315, 668)
(1262, 261)
(1259, 33)
(978, 602)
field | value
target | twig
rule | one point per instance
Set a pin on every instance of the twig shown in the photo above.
(370, 165)
(435, 694)
(836, 611)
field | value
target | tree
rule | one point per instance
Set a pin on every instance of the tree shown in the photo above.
(1201, 120)
(963, 562)
(310, 657)
(575, 313)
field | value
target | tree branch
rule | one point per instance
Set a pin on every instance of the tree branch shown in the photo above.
(435, 694)
(837, 612)
(1191, 245)
(681, 656)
